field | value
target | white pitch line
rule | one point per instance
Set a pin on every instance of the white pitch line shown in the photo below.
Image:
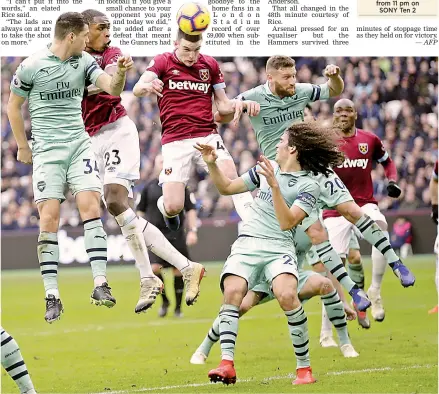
(141, 324)
(289, 376)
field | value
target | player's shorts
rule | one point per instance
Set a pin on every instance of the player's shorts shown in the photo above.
(178, 240)
(180, 156)
(332, 191)
(117, 151)
(257, 259)
(265, 287)
(340, 230)
(57, 166)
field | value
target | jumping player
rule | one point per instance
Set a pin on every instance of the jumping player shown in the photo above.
(116, 145)
(282, 102)
(54, 79)
(185, 82)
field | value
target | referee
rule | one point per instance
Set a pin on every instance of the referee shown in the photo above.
(180, 239)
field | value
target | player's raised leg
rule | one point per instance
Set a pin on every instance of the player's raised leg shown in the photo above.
(378, 237)
(14, 365)
(356, 272)
(329, 257)
(312, 284)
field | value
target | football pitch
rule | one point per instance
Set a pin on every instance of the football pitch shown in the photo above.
(99, 350)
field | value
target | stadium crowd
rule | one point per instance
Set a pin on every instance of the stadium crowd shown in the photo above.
(396, 98)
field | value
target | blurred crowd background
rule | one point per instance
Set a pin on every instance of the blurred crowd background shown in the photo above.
(396, 98)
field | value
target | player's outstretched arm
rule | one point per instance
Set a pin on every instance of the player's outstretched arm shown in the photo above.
(115, 84)
(335, 82)
(16, 120)
(231, 110)
(225, 185)
(148, 84)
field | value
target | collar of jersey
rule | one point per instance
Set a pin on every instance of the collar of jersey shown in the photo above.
(268, 90)
(49, 53)
(295, 173)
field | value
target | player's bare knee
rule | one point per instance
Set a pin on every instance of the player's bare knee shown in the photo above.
(317, 233)
(116, 198)
(235, 289)
(288, 299)
(354, 256)
(156, 268)
(89, 205)
(173, 206)
(325, 286)
(49, 216)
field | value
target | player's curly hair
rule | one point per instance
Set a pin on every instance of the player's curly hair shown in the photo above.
(318, 147)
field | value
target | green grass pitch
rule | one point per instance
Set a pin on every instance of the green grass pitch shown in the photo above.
(99, 350)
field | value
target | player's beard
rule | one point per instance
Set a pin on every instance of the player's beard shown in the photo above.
(282, 92)
(344, 126)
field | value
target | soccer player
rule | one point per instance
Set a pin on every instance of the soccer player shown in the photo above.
(53, 79)
(115, 142)
(362, 149)
(14, 365)
(434, 203)
(185, 82)
(310, 284)
(282, 102)
(179, 239)
(265, 247)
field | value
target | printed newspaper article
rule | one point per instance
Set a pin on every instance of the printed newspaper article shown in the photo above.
(286, 139)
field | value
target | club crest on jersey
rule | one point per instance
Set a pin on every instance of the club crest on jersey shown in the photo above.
(41, 185)
(204, 74)
(168, 171)
(363, 147)
(74, 63)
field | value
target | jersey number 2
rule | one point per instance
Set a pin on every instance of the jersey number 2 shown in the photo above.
(338, 183)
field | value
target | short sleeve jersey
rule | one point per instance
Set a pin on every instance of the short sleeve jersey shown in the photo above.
(297, 188)
(277, 114)
(55, 89)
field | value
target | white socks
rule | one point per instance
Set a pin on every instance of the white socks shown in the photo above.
(158, 244)
(130, 227)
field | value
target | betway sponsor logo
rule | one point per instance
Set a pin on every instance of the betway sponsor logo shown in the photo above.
(354, 163)
(73, 249)
(188, 85)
